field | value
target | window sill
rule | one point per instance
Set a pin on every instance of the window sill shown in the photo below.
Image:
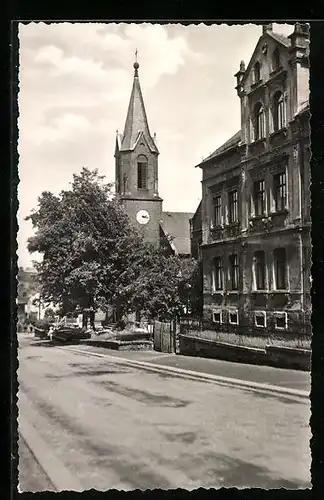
(276, 71)
(260, 140)
(282, 130)
(285, 211)
(277, 292)
(231, 224)
(256, 84)
(260, 291)
(232, 292)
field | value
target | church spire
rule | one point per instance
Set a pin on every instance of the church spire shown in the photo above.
(136, 120)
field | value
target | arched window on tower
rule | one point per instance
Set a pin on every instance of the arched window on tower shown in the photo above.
(275, 59)
(259, 121)
(142, 172)
(278, 107)
(256, 72)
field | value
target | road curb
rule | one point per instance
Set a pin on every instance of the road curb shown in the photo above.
(58, 474)
(199, 376)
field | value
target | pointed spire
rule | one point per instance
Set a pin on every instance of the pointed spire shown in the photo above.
(136, 120)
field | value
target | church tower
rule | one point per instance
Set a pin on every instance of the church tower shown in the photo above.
(136, 168)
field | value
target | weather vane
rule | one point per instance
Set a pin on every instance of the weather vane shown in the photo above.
(136, 51)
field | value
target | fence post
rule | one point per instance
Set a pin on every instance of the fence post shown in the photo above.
(174, 330)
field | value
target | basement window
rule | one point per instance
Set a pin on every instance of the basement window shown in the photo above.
(260, 319)
(217, 316)
(233, 317)
(280, 320)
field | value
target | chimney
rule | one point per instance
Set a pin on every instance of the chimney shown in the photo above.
(267, 27)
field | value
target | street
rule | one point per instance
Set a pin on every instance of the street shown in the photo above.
(103, 424)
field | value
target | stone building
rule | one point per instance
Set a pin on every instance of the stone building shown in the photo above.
(255, 210)
(137, 181)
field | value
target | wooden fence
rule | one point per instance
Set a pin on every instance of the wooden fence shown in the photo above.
(164, 336)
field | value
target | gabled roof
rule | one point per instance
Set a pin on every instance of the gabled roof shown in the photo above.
(229, 144)
(283, 40)
(176, 227)
(136, 120)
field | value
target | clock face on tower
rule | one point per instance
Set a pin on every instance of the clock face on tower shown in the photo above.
(142, 217)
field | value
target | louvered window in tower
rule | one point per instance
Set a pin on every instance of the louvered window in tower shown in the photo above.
(142, 172)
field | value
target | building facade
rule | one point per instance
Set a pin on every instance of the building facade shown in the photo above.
(255, 210)
(137, 181)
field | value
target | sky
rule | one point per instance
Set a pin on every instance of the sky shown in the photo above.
(75, 84)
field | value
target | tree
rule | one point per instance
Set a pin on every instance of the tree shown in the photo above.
(86, 241)
(159, 285)
(93, 257)
(49, 313)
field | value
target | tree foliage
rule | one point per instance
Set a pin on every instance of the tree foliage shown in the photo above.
(93, 257)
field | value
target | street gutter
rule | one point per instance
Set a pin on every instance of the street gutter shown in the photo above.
(295, 394)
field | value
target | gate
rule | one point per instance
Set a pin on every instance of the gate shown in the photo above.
(164, 339)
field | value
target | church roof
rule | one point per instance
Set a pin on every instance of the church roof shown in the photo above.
(136, 120)
(176, 227)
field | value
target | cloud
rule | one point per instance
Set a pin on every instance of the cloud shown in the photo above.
(75, 84)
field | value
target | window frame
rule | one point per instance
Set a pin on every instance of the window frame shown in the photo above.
(142, 168)
(278, 111)
(259, 121)
(280, 315)
(279, 190)
(256, 200)
(217, 275)
(217, 210)
(284, 263)
(256, 72)
(262, 314)
(232, 206)
(217, 311)
(275, 59)
(256, 268)
(234, 271)
(232, 312)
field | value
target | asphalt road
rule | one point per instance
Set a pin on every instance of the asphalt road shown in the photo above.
(107, 426)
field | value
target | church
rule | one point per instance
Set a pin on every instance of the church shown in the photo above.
(137, 181)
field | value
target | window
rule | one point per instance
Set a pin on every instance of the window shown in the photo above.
(232, 206)
(217, 274)
(275, 59)
(280, 320)
(259, 197)
(142, 172)
(257, 72)
(278, 111)
(217, 210)
(217, 316)
(233, 317)
(260, 319)
(259, 271)
(259, 122)
(234, 271)
(280, 191)
(280, 268)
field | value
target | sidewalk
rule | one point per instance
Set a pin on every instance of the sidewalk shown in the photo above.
(293, 379)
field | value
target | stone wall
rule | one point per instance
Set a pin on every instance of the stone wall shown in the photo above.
(281, 357)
